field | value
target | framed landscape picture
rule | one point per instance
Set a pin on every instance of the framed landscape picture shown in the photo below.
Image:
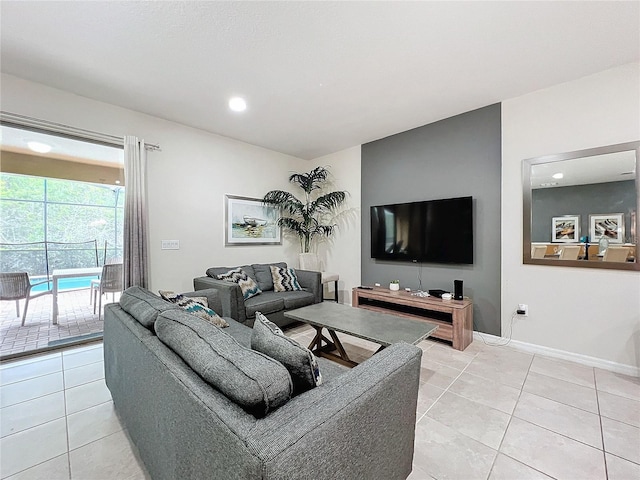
(610, 225)
(249, 222)
(565, 229)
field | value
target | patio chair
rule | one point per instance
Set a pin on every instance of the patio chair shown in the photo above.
(110, 281)
(96, 282)
(17, 286)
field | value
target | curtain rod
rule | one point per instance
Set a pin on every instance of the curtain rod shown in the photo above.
(14, 119)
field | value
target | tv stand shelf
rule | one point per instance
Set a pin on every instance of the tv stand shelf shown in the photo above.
(453, 317)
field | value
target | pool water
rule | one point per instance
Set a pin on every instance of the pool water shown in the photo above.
(63, 284)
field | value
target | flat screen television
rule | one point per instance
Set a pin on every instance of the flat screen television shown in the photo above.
(433, 231)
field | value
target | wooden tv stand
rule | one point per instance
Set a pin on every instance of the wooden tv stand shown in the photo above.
(453, 317)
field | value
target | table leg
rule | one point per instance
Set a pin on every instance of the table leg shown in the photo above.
(338, 344)
(316, 343)
(324, 351)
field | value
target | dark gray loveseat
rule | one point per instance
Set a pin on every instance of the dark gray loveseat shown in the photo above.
(269, 303)
(359, 423)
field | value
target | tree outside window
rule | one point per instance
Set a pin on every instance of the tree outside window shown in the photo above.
(36, 209)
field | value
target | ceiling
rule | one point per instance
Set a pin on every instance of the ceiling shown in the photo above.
(62, 148)
(318, 77)
(608, 167)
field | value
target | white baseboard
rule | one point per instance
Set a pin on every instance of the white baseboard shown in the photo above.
(563, 355)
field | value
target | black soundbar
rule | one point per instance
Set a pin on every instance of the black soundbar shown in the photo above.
(437, 293)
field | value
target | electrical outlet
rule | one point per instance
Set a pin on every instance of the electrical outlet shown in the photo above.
(170, 245)
(523, 309)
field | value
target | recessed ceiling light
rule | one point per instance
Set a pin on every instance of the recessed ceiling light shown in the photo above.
(39, 147)
(557, 176)
(237, 104)
(117, 182)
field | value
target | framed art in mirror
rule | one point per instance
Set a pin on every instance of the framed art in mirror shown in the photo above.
(565, 229)
(610, 226)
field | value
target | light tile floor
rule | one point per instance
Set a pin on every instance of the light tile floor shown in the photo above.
(485, 413)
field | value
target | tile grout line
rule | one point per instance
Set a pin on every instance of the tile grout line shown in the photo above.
(552, 431)
(604, 452)
(37, 424)
(493, 464)
(66, 417)
(37, 464)
(567, 436)
(94, 441)
(445, 390)
(92, 406)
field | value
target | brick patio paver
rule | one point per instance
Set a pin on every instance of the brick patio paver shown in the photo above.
(75, 318)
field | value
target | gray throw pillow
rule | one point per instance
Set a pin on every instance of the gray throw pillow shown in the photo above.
(251, 379)
(298, 360)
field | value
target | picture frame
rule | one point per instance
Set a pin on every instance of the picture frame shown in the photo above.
(250, 222)
(610, 225)
(565, 229)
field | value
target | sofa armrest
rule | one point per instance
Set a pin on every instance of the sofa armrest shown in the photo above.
(213, 298)
(312, 282)
(230, 296)
(359, 425)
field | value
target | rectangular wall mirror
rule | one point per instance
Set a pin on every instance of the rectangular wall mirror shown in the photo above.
(580, 208)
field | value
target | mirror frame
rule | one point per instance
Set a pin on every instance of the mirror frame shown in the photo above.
(526, 213)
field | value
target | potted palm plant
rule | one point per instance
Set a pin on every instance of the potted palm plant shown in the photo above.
(306, 216)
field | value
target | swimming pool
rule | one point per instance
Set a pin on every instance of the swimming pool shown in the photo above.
(63, 283)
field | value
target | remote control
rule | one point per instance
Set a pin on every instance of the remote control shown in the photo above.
(364, 287)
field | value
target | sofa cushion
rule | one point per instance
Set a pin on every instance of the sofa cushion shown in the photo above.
(239, 331)
(296, 299)
(284, 279)
(298, 360)
(143, 305)
(266, 302)
(247, 284)
(198, 306)
(249, 378)
(263, 274)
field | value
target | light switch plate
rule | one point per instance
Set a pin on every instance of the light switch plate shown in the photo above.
(170, 244)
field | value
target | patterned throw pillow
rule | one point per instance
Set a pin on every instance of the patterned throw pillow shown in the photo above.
(284, 279)
(301, 363)
(248, 286)
(198, 306)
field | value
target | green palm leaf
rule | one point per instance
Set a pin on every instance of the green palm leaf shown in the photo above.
(303, 217)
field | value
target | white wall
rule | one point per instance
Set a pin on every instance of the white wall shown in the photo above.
(585, 311)
(342, 254)
(187, 180)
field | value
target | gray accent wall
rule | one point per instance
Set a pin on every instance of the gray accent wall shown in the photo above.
(455, 157)
(583, 200)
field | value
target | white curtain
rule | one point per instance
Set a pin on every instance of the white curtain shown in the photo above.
(136, 270)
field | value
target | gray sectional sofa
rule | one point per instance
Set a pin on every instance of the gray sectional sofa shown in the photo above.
(269, 303)
(359, 423)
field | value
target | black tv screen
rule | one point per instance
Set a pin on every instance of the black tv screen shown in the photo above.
(434, 231)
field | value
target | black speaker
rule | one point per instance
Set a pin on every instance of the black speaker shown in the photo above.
(457, 290)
